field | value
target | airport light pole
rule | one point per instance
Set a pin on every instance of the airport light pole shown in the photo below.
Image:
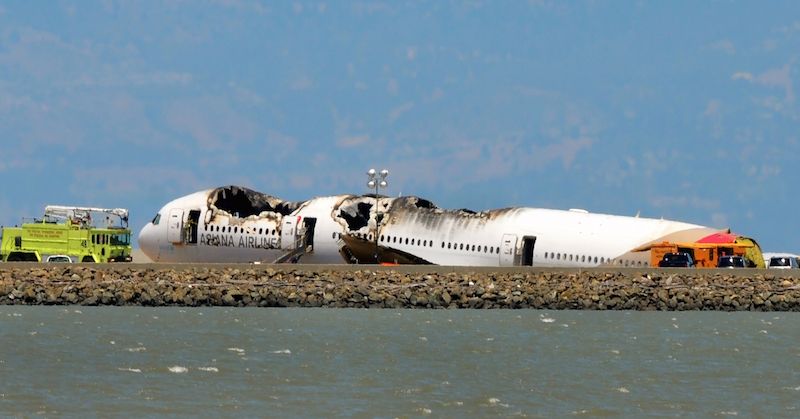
(377, 180)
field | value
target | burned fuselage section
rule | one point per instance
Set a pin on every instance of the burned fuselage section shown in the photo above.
(240, 217)
(405, 230)
(363, 228)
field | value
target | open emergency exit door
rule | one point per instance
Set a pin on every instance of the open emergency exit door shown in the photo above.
(175, 226)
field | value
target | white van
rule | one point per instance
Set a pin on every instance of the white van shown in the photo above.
(59, 258)
(783, 262)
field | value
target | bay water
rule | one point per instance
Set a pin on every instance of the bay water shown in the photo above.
(271, 362)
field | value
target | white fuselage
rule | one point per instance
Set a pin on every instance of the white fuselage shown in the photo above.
(514, 236)
(559, 238)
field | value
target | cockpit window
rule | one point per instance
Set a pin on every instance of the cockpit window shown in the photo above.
(156, 219)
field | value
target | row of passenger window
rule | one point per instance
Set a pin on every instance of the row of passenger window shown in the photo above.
(237, 229)
(427, 243)
(592, 259)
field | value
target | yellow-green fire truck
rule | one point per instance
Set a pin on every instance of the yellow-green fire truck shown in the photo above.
(79, 234)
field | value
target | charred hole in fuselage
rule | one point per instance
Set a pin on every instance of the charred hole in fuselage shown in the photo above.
(424, 203)
(356, 217)
(244, 202)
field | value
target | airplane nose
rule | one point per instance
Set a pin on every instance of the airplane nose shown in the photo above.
(148, 242)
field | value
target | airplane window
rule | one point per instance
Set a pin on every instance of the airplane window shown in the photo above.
(260, 231)
(448, 245)
(595, 259)
(369, 237)
(461, 246)
(558, 256)
(498, 250)
(156, 219)
(473, 247)
(583, 258)
(406, 240)
(412, 241)
(381, 237)
(442, 245)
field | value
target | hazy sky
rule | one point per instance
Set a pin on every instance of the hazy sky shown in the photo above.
(682, 110)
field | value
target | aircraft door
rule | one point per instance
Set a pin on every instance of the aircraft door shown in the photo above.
(288, 233)
(192, 226)
(507, 249)
(175, 226)
(309, 224)
(526, 258)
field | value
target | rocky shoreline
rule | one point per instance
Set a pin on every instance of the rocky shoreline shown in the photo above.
(375, 287)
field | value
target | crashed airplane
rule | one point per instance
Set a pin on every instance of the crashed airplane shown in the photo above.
(237, 224)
